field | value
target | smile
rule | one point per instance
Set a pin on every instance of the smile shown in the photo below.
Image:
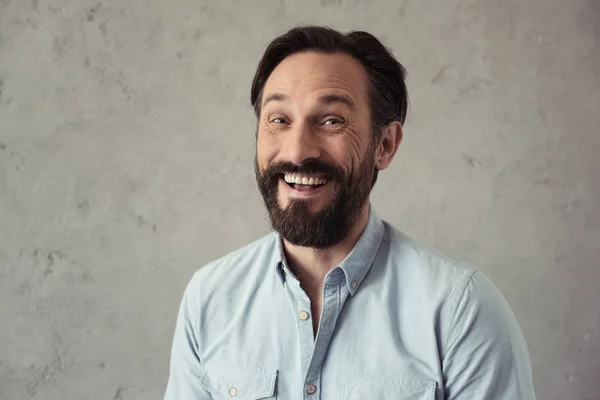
(310, 181)
(305, 185)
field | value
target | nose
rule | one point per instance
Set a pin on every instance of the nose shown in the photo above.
(302, 144)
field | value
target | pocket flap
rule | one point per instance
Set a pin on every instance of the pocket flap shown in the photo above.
(355, 389)
(246, 384)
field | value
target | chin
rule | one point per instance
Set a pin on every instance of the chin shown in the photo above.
(314, 205)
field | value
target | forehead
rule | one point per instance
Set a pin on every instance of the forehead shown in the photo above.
(306, 75)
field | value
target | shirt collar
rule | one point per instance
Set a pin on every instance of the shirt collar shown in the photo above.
(358, 263)
(279, 256)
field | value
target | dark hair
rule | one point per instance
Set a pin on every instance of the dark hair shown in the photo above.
(388, 95)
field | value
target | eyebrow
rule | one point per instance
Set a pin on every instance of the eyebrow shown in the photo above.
(276, 97)
(336, 98)
(325, 99)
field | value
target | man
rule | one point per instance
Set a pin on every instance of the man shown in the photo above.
(336, 303)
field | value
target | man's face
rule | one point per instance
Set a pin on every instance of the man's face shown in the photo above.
(315, 153)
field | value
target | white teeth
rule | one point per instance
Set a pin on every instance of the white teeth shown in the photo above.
(304, 180)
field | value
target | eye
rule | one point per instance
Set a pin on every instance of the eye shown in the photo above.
(278, 120)
(333, 122)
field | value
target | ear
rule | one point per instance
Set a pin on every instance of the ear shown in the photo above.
(391, 136)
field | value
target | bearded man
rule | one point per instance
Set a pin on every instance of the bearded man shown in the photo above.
(336, 303)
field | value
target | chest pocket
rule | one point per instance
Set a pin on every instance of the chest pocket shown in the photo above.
(358, 389)
(244, 384)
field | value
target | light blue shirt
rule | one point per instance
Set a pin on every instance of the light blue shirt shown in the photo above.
(399, 321)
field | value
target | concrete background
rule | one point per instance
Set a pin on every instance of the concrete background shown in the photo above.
(126, 149)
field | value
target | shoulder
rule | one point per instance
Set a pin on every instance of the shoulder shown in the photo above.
(453, 279)
(423, 266)
(239, 268)
(446, 287)
(463, 297)
(464, 281)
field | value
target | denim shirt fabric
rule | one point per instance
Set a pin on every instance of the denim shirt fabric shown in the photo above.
(399, 321)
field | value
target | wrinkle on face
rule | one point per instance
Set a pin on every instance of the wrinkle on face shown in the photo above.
(302, 79)
(315, 118)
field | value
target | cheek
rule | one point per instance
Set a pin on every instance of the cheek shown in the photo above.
(358, 138)
(340, 154)
(265, 150)
(348, 152)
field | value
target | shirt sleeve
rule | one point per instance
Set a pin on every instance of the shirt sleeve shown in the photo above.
(485, 357)
(186, 371)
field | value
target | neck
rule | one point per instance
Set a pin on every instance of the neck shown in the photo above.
(312, 265)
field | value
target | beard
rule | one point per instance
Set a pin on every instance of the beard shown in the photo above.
(328, 226)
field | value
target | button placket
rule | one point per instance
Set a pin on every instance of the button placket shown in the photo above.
(311, 389)
(300, 304)
(303, 315)
(335, 293)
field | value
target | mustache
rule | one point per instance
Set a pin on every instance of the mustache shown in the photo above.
(308, 167)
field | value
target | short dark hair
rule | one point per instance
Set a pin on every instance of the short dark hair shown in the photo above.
(388, 96)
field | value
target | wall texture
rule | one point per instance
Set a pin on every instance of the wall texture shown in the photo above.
(126, 149)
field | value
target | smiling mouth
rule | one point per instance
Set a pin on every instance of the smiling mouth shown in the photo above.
(305, 182)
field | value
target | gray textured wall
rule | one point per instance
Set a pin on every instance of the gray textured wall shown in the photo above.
(126, 149)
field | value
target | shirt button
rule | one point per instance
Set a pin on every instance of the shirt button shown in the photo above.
(354, 284)
(233, 392)
(303, 315)
(311, 389)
